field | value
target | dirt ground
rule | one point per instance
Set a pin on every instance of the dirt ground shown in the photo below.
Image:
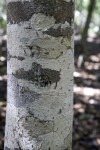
(86, 125)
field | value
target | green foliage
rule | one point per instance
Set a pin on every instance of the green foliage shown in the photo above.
(96, 16)
(81, 14)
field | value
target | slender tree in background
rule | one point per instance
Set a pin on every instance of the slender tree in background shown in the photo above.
(86, 27)
(40, 75)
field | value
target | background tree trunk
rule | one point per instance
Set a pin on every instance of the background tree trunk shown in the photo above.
(86, 27)
(40, 75)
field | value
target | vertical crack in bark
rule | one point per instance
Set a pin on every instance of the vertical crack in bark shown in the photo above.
(19, 146)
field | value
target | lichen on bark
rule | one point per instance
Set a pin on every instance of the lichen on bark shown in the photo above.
(22, 96)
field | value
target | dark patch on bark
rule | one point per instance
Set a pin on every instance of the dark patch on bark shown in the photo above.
(66, 32)
(18, 146)
(21, 95)
(60, 111)
(23, 11)
(68, 47)
(24, 40)
(6, 148)
(35, 50)
(19, 58)
(9, 56)
(41, 77)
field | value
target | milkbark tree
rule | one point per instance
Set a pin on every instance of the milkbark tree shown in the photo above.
(40, 75)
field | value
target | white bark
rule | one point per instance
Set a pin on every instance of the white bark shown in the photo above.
(40, 76)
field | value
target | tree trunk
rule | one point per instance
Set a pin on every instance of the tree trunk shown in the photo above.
(88, 20)
(40, 75)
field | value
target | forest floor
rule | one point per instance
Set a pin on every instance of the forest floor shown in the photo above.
(86, 129)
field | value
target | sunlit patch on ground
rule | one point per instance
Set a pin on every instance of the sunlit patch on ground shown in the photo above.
(87, 91)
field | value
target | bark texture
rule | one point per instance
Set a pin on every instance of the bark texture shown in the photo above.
(40, 75)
